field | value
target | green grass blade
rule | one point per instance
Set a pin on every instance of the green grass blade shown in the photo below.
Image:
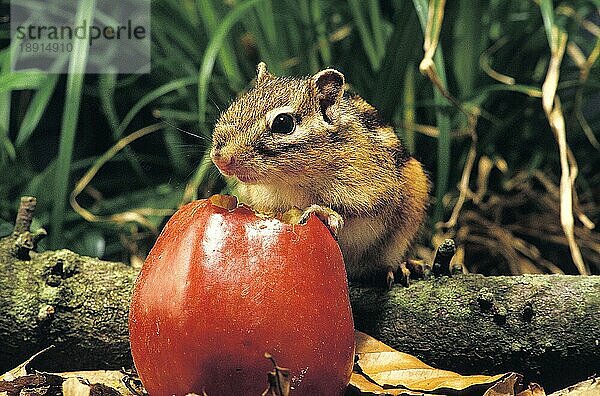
(177, 115)
(366, 38)
(36, 109)
(106, 90)
(77, 66)
(321, 29)
(404, 45)
(483, 92)
(7, 150)
(409, 110)
(200, 175)
(149, 97)
(265, 53)
(10, 81)
(442, 118)
(444, 162)
(173, 59)
(173, 144)
(212, 50)
(267, 22)
(377, 27)
(178, 23)
(226, 56)
(547, 10)
(467, 45)
(208, 62)
(304, 14)
(106, 87)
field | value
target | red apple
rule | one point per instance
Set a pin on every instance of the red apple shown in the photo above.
(222, 286)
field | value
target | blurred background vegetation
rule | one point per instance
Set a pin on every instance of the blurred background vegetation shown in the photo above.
(474, 117)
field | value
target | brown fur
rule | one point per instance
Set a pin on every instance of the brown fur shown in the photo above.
(341, 155)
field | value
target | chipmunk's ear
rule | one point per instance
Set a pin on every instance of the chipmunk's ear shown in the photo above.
(262, 74)
(329, 87)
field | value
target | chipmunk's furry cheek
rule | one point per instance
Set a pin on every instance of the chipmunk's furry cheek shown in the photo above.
(282, 148)
(238, 161)
(248, 174)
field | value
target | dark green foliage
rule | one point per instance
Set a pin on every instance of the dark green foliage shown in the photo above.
(53, 128)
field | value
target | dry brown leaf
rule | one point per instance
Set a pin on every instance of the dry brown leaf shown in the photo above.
(21, 369)
(589, 387)
(73, 387)
(83, 383)
(504, 387)
(32, 384)
(279, 380)
(109, 378)
(533, 390)
(360, 385)
(379, 368)
(366, 344)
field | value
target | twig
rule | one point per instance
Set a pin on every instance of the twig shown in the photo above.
(24, 215)
(25, 240)
(443, 256)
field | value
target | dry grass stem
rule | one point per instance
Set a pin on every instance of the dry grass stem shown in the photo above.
(552, 108)
(139, 215)
(485, 62)
(463, 187)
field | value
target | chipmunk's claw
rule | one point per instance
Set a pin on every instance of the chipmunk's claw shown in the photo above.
(400, 275)
(390, 278)
(328, 216)
(405, 272)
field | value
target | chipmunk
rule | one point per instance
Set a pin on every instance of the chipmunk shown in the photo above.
(306, 143)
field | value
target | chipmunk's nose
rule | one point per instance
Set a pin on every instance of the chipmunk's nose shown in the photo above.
(222, 161)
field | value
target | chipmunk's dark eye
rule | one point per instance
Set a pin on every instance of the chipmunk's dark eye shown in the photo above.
(283, 123)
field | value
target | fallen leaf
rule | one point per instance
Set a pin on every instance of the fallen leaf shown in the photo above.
(380, 368)
(533, 390)
(21, 369)
(73, 387)
(32, 384)
(589, 387)
(367, 344)
(110, 378)
(279, 380)
(505, 387)
(103, 390)
(360, 385)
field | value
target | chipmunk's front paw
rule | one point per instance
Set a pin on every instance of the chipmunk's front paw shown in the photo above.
(402, 274)
(328, 216)
(406, 271)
